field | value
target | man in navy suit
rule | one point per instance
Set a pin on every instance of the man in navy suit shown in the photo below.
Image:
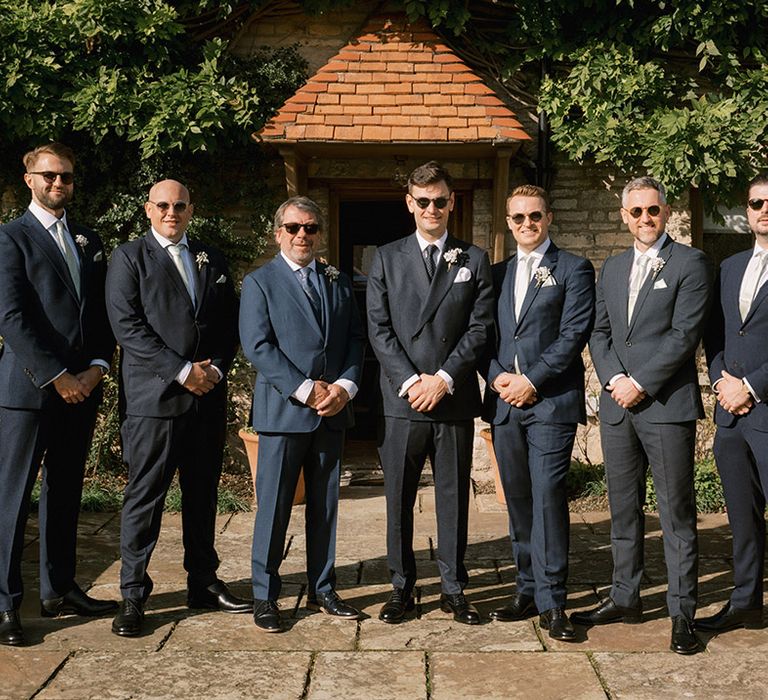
(57, 345)
(300, 329)
(172, 306)
(545, 305)
(651, 309)
(738, 371)
(430, 315)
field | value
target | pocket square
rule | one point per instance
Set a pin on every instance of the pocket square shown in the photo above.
(659, 284)
(221, 279)
(463, 275)
(99, 256)
(549, 282)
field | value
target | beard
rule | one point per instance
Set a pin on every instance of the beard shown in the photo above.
(53, 199)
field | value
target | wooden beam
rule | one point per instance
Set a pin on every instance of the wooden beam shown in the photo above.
(499, 203)
(295, 171)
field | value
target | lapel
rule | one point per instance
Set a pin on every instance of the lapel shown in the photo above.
(549, 260)
(650, 280)
(202, 274)
(762, 293)
(50, 249)
(328, 290)
(441, 282)
(161, 257)
(293, 293)
(507, 291)
(86, 262)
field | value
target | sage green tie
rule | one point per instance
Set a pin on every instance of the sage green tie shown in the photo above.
(69, 256)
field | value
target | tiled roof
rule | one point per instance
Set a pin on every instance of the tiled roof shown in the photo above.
(394, 83)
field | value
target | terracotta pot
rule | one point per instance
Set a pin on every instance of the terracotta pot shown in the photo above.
(485, 433)
(251, 441)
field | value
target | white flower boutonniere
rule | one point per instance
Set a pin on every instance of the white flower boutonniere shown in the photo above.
(331, 273)
(657, 265)
(541, 275)
(81, 240)
(454, 256)
(201, 259)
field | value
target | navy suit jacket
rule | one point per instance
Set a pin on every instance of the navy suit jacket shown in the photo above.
(45, 327)
(159, 330)
(554, 326)
(736, 346)
(416, 327)
(658, 346)
(283, 340)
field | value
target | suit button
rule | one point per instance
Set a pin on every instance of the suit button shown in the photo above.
(742, 333)
(443, 340)
(628, 344)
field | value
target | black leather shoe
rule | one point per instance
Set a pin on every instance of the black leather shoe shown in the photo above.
(75, 602)
(217, 597)
(266, 615)
(730, 618)
(11, 633)
(399, 603)
(607, 613)
(331, 604)
(130, 619)
(556, 621)
(683, 639)
(463, 611)
(521, 607)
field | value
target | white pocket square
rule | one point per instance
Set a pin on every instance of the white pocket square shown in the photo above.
(549, 282)
(221, 279)
(98, 256)
(659, 284)
(463, 275)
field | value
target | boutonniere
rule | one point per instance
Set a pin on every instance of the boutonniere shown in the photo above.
(657, 265)
(331, 273)
(81, 240)
(541, 275)
(201, 259)
(455, 256)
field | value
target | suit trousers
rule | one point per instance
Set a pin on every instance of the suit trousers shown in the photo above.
(405, 447)
(60, 435)
(281, 458)
(741, 453)
(154, 448)
(534, 459)
(628, 448)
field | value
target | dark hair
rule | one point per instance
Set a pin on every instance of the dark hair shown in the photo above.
(300, 202)
(429, 174)
(56, 149)
(759, 179)
(530, 191)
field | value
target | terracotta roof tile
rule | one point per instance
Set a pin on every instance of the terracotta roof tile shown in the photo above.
(394, 82)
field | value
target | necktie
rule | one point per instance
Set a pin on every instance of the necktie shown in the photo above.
(522, 281)
(175, 250)
(311, 291)
(751, 284)
(69, 256)
(639, 273)
(429, 260)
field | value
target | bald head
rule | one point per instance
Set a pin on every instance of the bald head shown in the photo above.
(169, 209)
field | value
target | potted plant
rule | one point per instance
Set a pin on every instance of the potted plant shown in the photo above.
(250, 439)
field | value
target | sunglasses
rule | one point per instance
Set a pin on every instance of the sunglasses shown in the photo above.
(519, 218)
(636, 212)
(309, 229)
(439, 202)
(756, 204)
(50, 177)
(178, 207)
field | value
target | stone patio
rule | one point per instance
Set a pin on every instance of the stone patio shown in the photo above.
(186, 654)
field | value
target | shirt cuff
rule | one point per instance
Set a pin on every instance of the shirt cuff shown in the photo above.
(533, 386)
(181, 377)
(53, 379)
(218, 371)
(750, 390)
(304, 390)
(714, 385)
(407, 384)
(447, 378)
(348, 385)
(613, 379)
(637, 386)
(101, 363)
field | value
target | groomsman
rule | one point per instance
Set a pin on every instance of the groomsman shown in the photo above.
(738, 370)
(545, 306)
(652, 304)
(173, 309)
(430, 315)
(56, 346)
(300, 329)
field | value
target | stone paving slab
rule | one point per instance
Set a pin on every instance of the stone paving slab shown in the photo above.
(657, 676)
(500, 676)
(171, 675)
(23, 672)
(376, 675)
